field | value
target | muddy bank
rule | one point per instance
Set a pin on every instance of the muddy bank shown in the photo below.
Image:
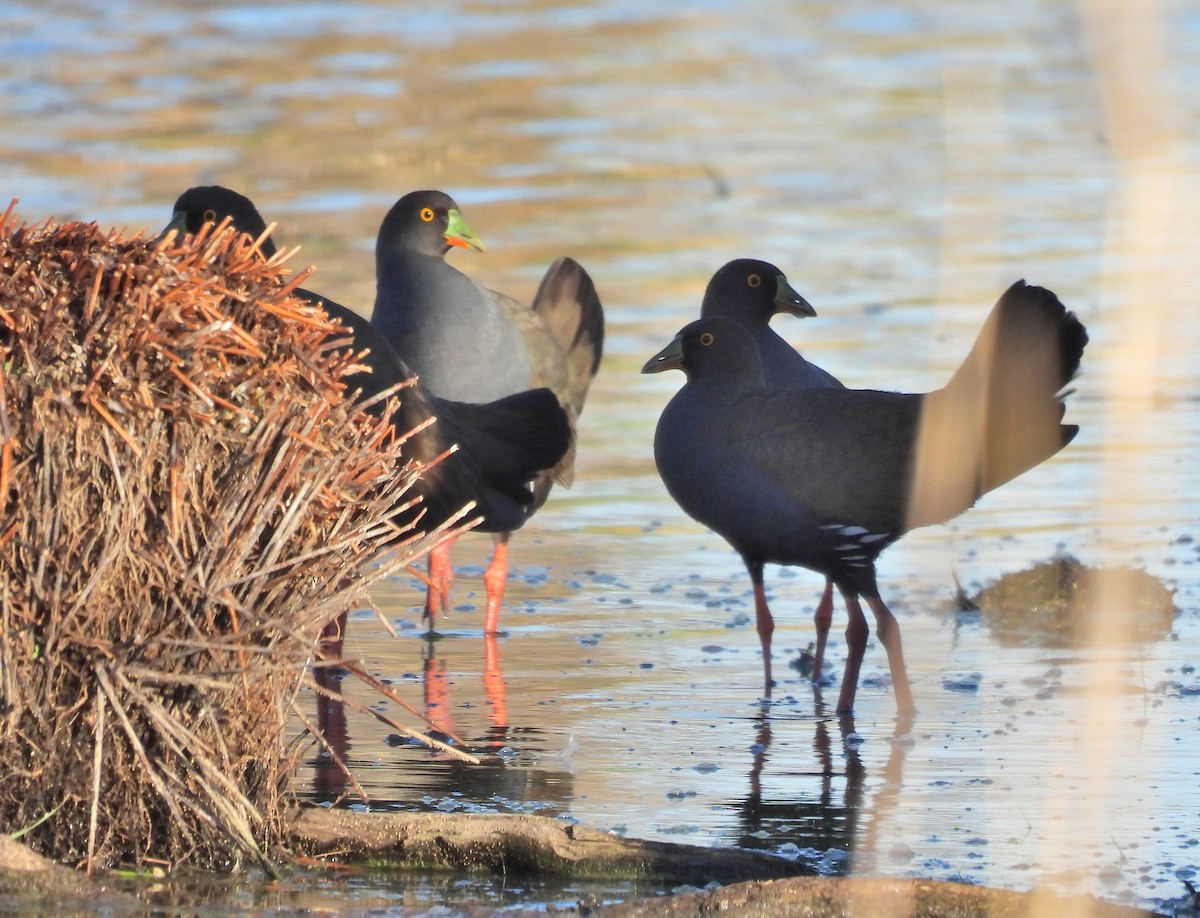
(32, 885)
(819, 897)
(755, 884)
(522, 845)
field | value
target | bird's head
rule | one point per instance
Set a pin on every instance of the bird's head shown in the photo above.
(750, 292)
(428, 222)
(714, 349)
(212, 204)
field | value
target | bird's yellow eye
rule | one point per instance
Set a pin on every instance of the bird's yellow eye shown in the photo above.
(426, 214)
(754, 280)
(707, 338)
(210, 216)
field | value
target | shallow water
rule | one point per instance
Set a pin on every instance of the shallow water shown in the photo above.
(902, 163)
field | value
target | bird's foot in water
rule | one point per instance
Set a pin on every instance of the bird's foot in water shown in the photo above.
(431, 632)
(906, 713)
(438, 581)
(765, 700)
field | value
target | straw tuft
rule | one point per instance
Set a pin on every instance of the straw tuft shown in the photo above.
(185, 501)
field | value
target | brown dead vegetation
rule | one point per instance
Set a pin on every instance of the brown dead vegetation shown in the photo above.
(185, 501)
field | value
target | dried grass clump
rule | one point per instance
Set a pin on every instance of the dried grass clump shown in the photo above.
(185, 500)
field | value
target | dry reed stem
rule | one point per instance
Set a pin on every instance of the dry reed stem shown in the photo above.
(185, 502)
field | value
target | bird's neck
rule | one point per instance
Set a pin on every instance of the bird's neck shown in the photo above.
(404, 274)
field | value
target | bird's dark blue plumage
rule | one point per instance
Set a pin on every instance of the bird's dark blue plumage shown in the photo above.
(751, 293)
(827, 478)
(453, 332)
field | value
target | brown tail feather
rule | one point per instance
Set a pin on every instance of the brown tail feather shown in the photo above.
(1000, 415)
(567, 302)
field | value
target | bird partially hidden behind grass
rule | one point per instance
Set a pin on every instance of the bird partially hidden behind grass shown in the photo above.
(500, 449)
(827, 478)
(470, 343)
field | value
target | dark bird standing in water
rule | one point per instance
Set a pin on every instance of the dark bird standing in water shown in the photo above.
(729, 295)
(827, 478)
(470, 343)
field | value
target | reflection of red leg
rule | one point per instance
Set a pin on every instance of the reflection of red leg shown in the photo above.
(329, 644)
(441, 575)
(822, 619)
(494, 579)
(762, 744)
(824, 750)
(437, 695)
(328, 777)
(493, 683)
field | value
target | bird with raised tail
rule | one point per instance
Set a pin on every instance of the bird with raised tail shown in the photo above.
(473, 344)
(827, 478)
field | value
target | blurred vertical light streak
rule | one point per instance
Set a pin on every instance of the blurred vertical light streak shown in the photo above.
(1142, 295)
(975, 139)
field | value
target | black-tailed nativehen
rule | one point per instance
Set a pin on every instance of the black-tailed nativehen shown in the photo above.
(827, 478)
(469, 343)
(503, 446)
(750, 292)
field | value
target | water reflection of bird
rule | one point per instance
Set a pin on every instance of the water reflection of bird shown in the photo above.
(473, 344)
(437, 692)
(517, 772)
(502, 447)
(331, 766)
(818, 818)
(329, 773)
(828, 478)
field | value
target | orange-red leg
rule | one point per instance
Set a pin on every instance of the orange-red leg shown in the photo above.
(857, 632)
(494, 580)
(823, 619)
(441, 575)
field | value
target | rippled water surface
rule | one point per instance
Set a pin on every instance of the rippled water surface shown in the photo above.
(903, 163)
